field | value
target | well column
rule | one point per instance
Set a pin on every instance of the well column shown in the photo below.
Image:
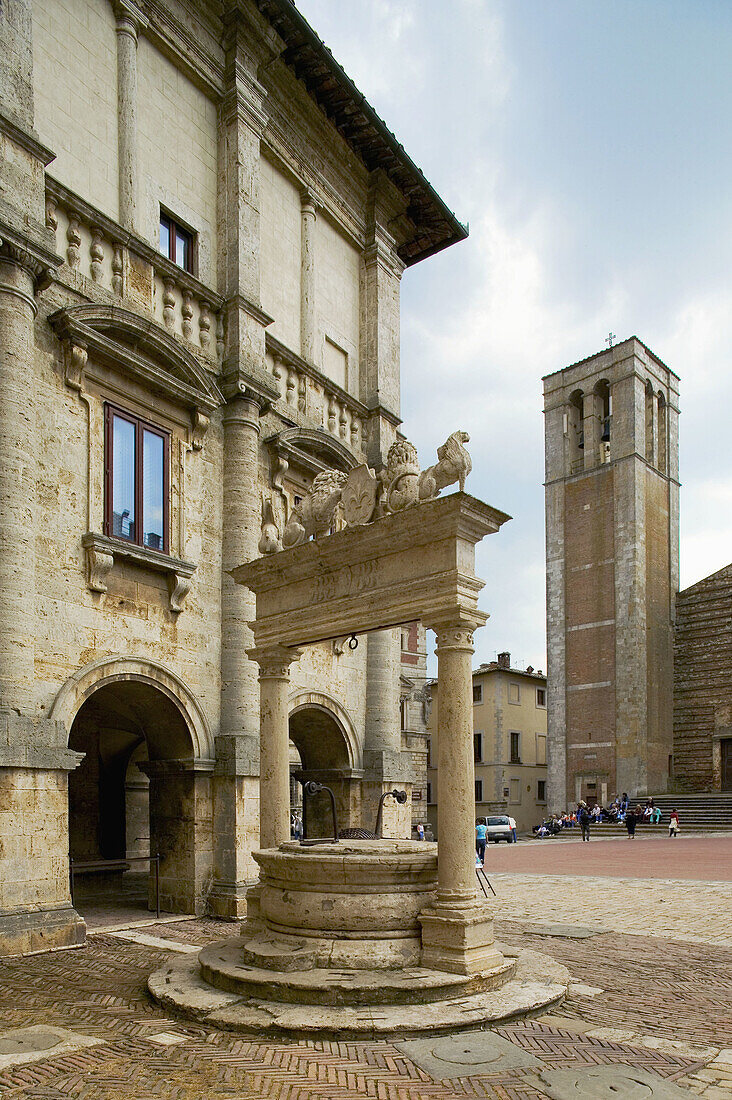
(457, 931)
(274, 760)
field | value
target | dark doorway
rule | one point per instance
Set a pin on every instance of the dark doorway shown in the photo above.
(726, 746)
(124, 729)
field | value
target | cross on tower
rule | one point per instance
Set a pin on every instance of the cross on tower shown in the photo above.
(610, 338)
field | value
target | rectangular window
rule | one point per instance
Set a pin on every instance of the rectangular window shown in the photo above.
(429, 752)
(477, 693)
(541, 697)
(478, 748)
(541, 790)
(429, 792)
(515, 748)
(136, 480)
(513, 693)
(176, 242)
(479, 790)
(516, 791)
(541, 748)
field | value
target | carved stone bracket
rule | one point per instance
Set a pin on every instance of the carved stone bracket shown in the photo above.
(102, 551)
(75, 360)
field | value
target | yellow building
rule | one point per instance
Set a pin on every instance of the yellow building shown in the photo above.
(509, 737)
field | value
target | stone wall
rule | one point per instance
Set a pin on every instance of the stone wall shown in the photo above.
(702, 680)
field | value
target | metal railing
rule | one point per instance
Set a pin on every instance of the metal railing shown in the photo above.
(76, 865)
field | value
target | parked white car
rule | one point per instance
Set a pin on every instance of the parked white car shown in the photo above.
(497, 828)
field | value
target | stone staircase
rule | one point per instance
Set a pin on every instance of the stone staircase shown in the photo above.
(698, 813)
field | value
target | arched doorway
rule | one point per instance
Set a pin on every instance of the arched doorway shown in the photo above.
(322, 736)
(141, 789)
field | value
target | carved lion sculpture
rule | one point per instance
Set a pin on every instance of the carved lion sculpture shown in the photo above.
(314, 514)
(453, 465)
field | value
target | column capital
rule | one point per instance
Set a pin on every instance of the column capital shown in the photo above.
(274, 661)
(455, 633)
(308, 202)
(130, 19)
(237, 385)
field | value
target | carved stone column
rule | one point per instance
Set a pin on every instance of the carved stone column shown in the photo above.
(457, 931)
(17, 485)
(130, 21)
(307, 279)
(274, 757)
(385, 765)
(237, 746)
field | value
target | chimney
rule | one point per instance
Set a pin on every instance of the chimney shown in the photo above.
(504, 660)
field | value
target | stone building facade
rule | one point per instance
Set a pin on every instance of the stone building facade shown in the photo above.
(204, 228)
(509, 743)
(703, 685)
(612, 537)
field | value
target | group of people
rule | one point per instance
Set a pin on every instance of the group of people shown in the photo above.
(619, 812)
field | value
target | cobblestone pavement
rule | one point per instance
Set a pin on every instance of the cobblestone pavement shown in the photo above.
(638, 1003)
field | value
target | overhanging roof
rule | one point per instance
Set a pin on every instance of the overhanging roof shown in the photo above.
(435, 226)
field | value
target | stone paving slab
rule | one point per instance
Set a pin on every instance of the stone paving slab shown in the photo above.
(664, 1008)
(681, 910)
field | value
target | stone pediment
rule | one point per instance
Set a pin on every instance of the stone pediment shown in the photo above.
(141, 349)
(312, 450)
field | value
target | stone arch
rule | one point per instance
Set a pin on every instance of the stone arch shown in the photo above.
(109, 670)
(317, 701)
(323, 734)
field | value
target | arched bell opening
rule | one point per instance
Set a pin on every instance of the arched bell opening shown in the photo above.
(136, 793)
(319, 739)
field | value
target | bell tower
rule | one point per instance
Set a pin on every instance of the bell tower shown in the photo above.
(612, 536)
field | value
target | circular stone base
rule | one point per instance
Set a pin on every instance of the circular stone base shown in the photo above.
(538, 982)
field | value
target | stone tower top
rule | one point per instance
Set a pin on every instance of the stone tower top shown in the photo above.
(619, 403)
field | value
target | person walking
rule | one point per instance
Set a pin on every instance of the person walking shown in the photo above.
(420, 831)
(583, 815)
(673, 825)
(480, 838)
(512, 827)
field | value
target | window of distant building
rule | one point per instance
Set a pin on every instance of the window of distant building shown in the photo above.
(479, 790)
(477, 693)
(514, 693)
(515, 748)
(478, 748)
(541, 697)
(515, 791)
(136, 480)
(541, 790)
(429, 792)
(541, 748)
(176, 242)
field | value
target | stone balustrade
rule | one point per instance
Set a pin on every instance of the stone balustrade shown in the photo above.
(121, 265)
(312, 397)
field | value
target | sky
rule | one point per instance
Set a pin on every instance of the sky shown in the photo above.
(588, 145)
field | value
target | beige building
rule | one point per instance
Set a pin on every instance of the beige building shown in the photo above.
(204, 226)
(509, 743)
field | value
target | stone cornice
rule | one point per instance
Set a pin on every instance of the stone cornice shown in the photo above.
(184, 49)
(28, 251)
(27, 139)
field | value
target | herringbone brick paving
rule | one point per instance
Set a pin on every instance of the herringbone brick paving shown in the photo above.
(101, 991)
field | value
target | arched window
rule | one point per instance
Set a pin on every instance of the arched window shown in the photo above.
(574, 432)
(650, 424)
(662, 434)
(603, 407)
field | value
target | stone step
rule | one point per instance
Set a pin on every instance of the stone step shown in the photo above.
(223, 966)
(537, 984)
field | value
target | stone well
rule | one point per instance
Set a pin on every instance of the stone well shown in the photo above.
(355, 903)
(337, 949)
